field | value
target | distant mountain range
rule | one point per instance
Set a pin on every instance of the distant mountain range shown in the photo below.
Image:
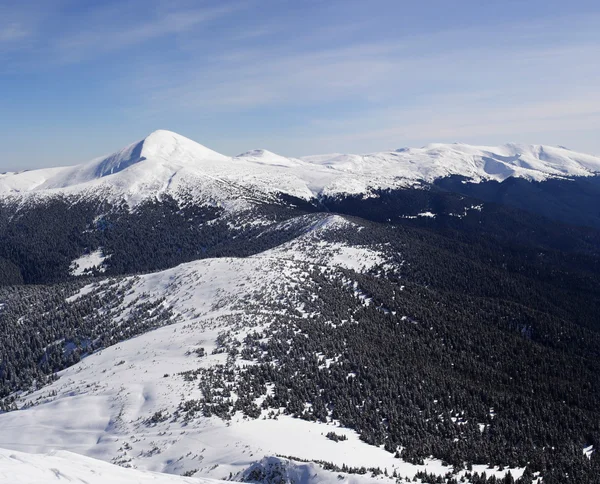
(168, 163)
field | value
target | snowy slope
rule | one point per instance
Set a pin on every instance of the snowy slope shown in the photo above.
(62, 466)
(23, 468)
(313, 247)
(100, 406)
(121, 404)
(167, 163)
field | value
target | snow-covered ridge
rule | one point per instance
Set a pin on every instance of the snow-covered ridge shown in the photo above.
(168, 163)
(23, 468)
(312, 247)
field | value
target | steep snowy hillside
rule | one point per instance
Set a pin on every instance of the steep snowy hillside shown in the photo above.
(166, 163)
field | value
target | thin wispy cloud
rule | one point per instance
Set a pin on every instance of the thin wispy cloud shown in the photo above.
(105, 38)
(391, 73)
(60, 36)
(450, 123)
(12, 32)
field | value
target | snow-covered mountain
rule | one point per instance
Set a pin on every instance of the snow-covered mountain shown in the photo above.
(129, 404)
(168, 163)
(267, 319)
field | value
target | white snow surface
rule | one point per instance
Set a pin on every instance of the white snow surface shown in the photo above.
(168, 163)
(84, 264)
(310, 247)
(61, 466)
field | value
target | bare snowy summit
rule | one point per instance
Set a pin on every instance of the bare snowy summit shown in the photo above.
(169, 145)
(161, 144)
(266, 157)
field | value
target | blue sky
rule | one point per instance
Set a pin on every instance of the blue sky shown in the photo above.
(82, 79)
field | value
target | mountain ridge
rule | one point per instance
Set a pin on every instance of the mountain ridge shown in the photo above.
(165, 161)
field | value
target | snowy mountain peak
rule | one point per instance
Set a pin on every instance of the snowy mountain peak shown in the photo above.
(172, 146)
(265, 157)
(160, 145)
(139, 169)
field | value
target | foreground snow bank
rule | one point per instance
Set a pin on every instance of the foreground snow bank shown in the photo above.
(23, 468)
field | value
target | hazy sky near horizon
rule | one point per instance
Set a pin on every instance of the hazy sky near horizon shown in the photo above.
(82, 79)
